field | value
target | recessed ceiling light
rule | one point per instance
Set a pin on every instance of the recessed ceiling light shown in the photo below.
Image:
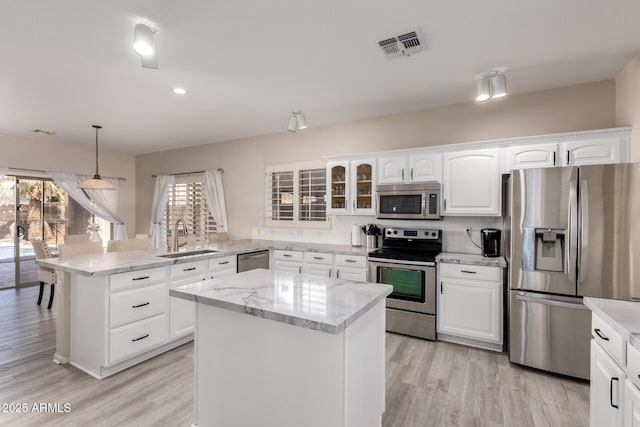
(179, 90)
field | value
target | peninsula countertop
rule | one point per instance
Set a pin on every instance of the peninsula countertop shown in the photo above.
(623, 316)
(120, 262)
(317, 303)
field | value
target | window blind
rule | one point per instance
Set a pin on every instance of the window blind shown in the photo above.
(187, 202)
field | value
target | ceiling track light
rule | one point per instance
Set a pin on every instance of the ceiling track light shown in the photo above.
(492, 85)
(297, 121)
(96, 183)
(145, 46)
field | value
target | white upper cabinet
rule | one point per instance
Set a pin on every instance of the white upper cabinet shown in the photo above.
(595, 152)
(472, 183)
(413, 167)
(363, 187)
(337, 187)
(425, 167)
(351, 187)
(531, 156)
(392, 169)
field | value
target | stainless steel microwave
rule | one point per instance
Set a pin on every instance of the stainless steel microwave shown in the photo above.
(408, 201)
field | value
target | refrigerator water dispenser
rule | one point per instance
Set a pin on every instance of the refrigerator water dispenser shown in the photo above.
(549, 253)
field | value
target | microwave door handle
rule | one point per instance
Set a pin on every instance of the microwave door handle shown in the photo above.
(424, 204)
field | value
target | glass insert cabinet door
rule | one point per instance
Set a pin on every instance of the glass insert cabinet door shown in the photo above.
(337, 187)
(351, 187)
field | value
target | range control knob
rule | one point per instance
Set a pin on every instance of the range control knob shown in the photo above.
(395, 231)
(433, 234)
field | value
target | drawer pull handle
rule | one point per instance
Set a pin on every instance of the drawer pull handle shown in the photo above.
(287, 255)
(223, 262)
(318, 257)
(330, 276)
(468, 271)
(611, 392)
(141, 278)
(189, 269)
(140, 338)
(600, 334)
(350, 260)
(140, 305)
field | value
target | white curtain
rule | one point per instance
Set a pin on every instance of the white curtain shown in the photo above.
(108, 202)
(69, 183)
(158, 206)
(3, 171)
(214, 193)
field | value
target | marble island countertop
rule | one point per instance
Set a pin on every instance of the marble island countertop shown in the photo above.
(318, 303)
(623, 316)
(120, 262)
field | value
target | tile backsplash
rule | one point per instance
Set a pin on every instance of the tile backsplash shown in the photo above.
(454, 237)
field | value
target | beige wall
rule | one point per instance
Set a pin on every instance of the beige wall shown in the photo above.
(580, 107)
(42, 154)
(628, 103)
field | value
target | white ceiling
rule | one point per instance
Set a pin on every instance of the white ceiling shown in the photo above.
(68, 64)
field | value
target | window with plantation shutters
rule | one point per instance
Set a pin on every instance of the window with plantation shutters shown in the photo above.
(187, 202)
(295, 195)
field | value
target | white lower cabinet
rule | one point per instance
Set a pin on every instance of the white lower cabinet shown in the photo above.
(470, 308)
(322, 264)
(182, 312)
(631, 409)
(287, 260)
(136, 337)
(606, 390)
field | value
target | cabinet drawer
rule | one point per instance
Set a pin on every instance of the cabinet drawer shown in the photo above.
(608, 338)
(287, 255)
(137, 337)
(351, 260)
(136, 304)
(136, 279)
(356, 274)
(318, 258)
(633, 364)
(223, 264)
(476, 272)
(189, 269)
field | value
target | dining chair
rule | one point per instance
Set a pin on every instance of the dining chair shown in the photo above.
(131, 244)
(45, 275)
(76, 238)
(73, 249)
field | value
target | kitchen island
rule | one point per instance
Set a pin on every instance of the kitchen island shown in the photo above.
(283, 349)
(113, 310)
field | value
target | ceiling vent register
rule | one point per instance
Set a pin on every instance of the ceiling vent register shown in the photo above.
(401, 45)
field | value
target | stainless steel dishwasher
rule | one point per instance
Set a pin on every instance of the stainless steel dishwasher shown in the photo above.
(253, 260)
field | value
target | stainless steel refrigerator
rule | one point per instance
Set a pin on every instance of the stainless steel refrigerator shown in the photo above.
(574, 232)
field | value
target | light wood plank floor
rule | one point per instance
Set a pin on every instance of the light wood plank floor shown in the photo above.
(428, 383)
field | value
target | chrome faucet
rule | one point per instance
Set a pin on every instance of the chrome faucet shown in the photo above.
(185, 231)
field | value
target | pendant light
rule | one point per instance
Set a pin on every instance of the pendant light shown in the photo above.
(96, 183)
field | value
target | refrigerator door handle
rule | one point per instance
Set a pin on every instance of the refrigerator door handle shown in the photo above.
(583, 239)
(572, 255)
(552, 302)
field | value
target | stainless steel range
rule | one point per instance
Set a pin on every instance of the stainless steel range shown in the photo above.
(407, 261)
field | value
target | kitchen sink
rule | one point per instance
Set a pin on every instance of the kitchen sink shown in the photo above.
(184, 254)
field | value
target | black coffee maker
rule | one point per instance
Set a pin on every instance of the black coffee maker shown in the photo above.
(490, 242)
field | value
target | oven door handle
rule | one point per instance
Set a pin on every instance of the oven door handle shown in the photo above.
(402, 262)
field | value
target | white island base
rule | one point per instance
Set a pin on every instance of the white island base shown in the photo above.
(251, 371)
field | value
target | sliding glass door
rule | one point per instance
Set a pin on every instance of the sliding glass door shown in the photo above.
(33, 209)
